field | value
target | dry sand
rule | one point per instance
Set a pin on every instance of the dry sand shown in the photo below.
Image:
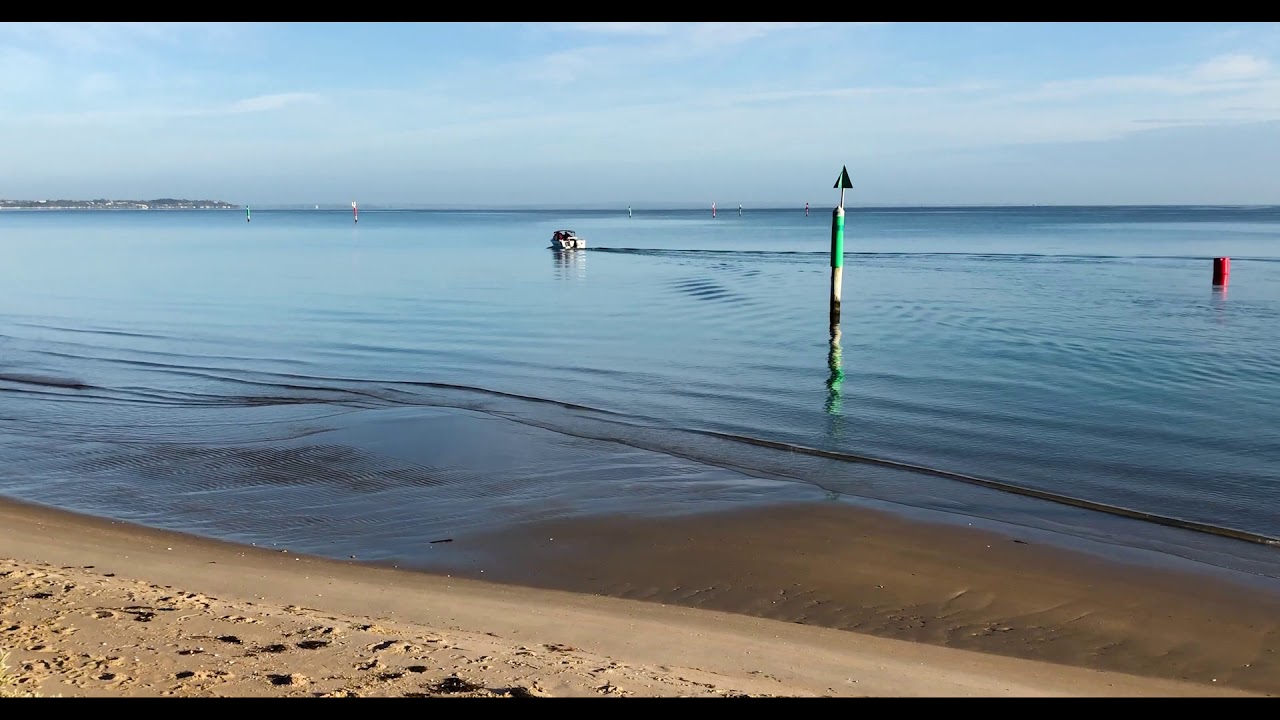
(92, 607)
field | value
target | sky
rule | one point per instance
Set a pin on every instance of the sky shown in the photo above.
(582, 115)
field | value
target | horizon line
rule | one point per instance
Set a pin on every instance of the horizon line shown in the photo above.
(601, 207)
(728, 208)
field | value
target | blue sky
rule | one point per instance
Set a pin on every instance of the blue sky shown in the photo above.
(646, 114)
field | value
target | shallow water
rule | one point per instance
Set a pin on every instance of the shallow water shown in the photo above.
(280, 380)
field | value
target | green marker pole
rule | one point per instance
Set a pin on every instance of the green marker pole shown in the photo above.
(837, 246)
(246, 213)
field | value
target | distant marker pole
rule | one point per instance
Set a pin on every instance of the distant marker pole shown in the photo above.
(355, 213)
(806, 209)
(713, 209)
(739, 209)
(628, 211)
(837, 245)
(246, 213)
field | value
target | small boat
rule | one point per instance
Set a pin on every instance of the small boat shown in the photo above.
(567, 240)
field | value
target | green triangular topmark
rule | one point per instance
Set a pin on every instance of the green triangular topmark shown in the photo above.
(843, 181)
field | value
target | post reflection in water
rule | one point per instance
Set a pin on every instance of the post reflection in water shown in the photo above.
(570, 264)
(835, 378)
(1219, 300)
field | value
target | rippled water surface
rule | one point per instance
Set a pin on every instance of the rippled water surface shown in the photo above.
(303, 379)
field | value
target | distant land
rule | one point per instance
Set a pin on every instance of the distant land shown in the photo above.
(159, 204)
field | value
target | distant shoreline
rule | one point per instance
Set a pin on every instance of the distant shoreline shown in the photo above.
(102, 204)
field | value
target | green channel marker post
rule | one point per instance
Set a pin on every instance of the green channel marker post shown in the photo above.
(837, 245)
(246, 213)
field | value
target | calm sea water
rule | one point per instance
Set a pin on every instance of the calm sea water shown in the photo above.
(341, 387)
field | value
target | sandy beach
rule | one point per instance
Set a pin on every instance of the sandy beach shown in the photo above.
(91, 607)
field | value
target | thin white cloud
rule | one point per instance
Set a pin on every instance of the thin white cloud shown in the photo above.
(266, 103)
(1238, 66)
(99, 83)
(731, 30)
(1118, 85)
(568, 65)
(105, 37)
(21, 70)
(923, 117)
(1232, 72)
(258, 104)
(782, 96)
(648, 43)
(619, 28)
(62, 37)
(715, 34)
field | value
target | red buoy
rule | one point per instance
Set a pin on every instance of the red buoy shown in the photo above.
(1221, 270)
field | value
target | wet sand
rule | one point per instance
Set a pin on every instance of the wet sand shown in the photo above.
(94, 607)
(850, 568)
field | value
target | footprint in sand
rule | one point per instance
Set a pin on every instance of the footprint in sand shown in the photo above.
(316, 629)
(141, 614)
(112, 680)
(275, 648)
(454, 684)
(237, 619)
(39, 667)
(521, 692)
